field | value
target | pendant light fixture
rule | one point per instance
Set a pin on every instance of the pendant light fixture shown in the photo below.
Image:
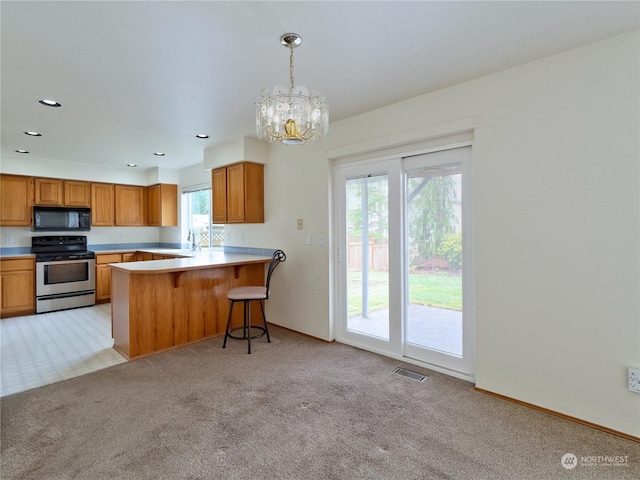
(293, 114)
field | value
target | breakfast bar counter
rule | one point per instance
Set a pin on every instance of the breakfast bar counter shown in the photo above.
(162, 304)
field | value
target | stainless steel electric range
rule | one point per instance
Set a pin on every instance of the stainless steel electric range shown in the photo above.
(65, 272)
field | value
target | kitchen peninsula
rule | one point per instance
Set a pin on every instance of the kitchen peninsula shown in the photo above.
(162, 304)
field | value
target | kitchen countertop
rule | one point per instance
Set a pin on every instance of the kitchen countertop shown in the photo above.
(195, 261)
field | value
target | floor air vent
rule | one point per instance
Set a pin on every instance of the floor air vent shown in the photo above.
(409, 374)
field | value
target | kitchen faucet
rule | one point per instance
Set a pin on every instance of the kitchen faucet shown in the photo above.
(192, 237)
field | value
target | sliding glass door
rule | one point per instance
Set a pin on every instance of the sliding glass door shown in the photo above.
(369, 256)
(404, 261)
(436, 214)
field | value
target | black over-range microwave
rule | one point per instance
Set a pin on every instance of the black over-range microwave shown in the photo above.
(61, 219)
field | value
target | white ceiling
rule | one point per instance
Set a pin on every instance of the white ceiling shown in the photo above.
(140, 77)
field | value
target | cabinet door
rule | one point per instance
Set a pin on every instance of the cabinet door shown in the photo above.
(18, 292)
(48, 191)
(131, 257)
(235, 193)
(17, 286)
(102, 204)
(130, 205)
(77, 194)
(103, 282)
(219, 195)
(253, 193)
(16, 194)
(163, 205)
(155, 207)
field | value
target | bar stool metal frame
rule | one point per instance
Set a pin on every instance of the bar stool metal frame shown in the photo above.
(247, 295)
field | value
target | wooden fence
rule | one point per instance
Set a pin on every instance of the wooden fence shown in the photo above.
(378, 253)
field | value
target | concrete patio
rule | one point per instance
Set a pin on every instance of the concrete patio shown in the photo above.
(429, 327)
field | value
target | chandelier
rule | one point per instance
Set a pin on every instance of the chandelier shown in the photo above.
(293, 114)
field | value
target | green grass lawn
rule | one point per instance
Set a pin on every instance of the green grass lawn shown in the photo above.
(437, 289)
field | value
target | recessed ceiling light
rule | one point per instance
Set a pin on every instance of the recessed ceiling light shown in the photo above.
(202, 135)
(33, 134)
(132, 165)
(22, 151)
(49, 103)
(159, 154)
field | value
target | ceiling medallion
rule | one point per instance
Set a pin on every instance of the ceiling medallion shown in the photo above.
(293, 115)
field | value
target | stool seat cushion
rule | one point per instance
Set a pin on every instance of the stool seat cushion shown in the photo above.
(247, 293)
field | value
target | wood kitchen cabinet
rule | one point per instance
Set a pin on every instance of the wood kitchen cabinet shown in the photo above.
(57, 192)
(16, 193)
(219, 195)
(130, 205)
(132, 257)
(17, 286)
(157, 256)
(163, 205)
(48, 191)
(102, 204)
(103, 275)
(238, 193)
(77, 193)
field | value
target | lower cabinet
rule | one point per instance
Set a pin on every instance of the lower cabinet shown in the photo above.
(132, 257)
(103, 275)
(17, 286)
(156, 256)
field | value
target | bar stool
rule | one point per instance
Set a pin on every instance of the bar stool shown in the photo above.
(247, 295)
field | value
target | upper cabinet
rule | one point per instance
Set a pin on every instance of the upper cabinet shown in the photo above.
(69, 193)
(111, 204)
(163, 205)
(48, 191)
(219, 195)
(240, 197)
(130, 205)
(102, 204)
(77, 194)
(16, 193)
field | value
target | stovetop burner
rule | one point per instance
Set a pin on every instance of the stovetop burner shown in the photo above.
(59, 248)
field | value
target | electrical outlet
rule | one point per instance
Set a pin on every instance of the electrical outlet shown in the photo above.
(8, 238)
(308, 239)
(320, 239)
(121, 236)
(634, 380)
(300, 224)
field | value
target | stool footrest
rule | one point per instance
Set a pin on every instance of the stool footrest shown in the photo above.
(244, 335)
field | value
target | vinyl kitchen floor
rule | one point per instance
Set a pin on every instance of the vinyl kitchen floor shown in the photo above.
(37, 350)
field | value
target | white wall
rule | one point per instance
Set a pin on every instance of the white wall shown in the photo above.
(557, 223)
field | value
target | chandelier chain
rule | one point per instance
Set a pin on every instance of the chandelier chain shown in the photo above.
(291, 67)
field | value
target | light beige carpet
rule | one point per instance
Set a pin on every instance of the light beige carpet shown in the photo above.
(294, 409)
